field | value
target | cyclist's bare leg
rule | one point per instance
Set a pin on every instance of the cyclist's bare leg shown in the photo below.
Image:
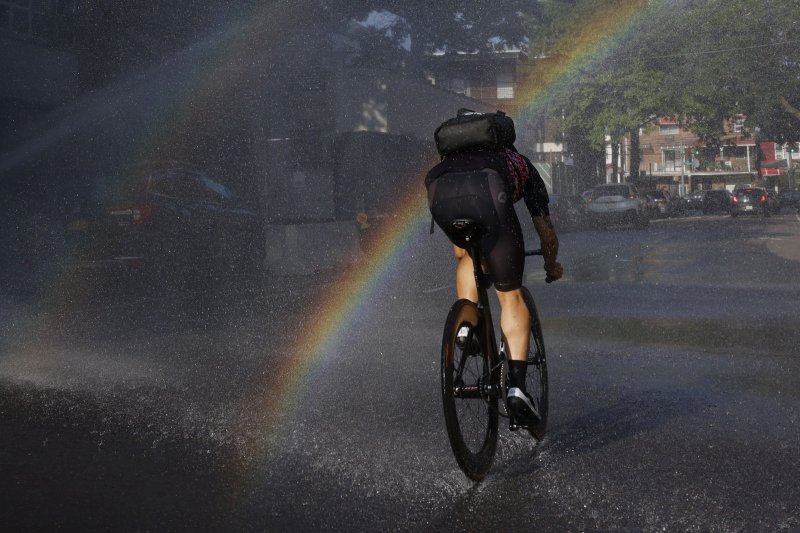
(465, 275)
(515, 321)
(514, 317)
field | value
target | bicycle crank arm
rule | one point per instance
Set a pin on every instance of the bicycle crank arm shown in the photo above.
(474, 391)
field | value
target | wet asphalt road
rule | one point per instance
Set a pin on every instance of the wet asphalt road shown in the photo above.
(675, 388)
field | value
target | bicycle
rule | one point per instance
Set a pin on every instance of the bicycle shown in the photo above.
(474, 371)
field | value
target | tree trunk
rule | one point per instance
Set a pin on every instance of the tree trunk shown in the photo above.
(615, 177)
(636, 156)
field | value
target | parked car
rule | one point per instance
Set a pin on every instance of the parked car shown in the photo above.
(773, 202)
(663, 202)
(749, 200)
(650, 206)
(790, 199)
(716, 201)
(173, 222)
(694, 200)
(568, 212)
(617, 203)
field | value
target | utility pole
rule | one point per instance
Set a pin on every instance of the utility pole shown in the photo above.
(682, 188)
(789, 165)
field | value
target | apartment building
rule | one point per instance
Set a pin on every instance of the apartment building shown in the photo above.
(674, 158)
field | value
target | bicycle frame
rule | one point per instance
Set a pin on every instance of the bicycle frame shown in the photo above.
(482, 282)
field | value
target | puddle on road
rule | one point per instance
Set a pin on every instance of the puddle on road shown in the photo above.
(632, 264)
(775, 337)
(603, 267)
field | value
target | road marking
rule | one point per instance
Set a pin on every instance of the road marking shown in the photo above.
(436, 289)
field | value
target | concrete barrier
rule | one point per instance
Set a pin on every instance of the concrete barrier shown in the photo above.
(308, 248)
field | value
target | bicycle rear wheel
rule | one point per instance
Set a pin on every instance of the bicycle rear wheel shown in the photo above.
(469, 393)
(536, 375)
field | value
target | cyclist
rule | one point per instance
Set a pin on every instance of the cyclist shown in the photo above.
(484, 184)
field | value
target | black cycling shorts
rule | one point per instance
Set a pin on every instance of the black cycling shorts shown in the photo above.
(482, 195)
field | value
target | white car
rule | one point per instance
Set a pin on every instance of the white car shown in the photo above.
(617, 203)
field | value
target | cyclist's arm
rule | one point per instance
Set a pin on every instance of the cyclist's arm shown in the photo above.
(536, 200)
(549, 240)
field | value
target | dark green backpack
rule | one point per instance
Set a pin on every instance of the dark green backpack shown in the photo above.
(471, 130)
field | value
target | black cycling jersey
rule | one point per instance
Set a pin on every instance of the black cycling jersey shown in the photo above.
(483, 186)
(534, 191)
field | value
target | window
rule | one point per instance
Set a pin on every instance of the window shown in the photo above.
(505, 85)
(458, 85)
(738, 125)
(671, 161)
(208, 190)
(668, 129)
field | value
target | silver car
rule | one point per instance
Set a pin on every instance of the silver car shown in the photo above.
(617, 203)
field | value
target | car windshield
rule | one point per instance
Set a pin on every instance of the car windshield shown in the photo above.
(611, 190)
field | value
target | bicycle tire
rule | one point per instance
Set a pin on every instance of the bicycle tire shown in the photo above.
(536, 374)
(469, 394)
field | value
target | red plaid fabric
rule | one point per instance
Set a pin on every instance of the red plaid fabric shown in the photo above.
(518, 170)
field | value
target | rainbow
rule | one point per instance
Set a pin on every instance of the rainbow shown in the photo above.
(595, 37)
(323, 332)
(337, 308)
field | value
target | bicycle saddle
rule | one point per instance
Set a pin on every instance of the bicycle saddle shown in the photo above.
(471, 229)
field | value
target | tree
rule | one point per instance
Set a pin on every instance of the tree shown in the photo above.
(604, 86)
(110, 37)
(702, 61)
(454, 25)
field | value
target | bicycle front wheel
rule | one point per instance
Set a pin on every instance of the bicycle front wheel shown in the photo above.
(536, 374)
(469, 392)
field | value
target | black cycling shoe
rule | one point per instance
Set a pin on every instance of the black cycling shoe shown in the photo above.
(521, 407)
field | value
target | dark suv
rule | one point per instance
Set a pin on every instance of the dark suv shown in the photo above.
(172, 221)
(716, 201)
(750, 201)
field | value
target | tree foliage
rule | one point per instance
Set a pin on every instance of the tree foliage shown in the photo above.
(111, 36)
(456, 25)
(702, 61)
